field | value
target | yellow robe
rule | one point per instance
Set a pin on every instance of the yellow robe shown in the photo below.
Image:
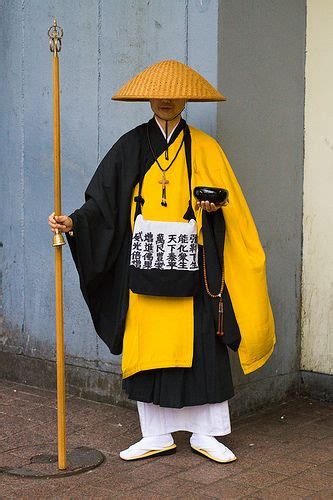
(159, 330)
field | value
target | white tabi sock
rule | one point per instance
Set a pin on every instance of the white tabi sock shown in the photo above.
(147, 444)
(212, 446)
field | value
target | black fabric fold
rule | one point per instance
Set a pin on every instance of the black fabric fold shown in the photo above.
(213, 227)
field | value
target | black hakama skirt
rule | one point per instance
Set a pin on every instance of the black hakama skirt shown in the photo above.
(208, 380)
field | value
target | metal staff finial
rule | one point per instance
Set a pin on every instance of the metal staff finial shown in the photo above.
(55, 33)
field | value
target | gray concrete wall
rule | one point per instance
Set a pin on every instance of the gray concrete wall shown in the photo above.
(257, 55)
(260, 126)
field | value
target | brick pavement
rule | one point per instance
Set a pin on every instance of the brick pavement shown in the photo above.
(284, 451)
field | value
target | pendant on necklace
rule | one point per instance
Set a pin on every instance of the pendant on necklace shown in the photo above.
(164, 182)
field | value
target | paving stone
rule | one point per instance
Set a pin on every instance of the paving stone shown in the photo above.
(250, 497)
(318, 431)
(290, 446)
(209, 471)
(10, 460)
(144, 494)
(259, 477)
(328, 420)
(171, 485)
(312, 479)
(325, 494)
(30, 412)
(86, 491)
(228, 489)
(326, 468)
(253, 456)
(12, 425)
(286, 465)
(25, 438)
(33, 489)
(153, 471)
(182, 459)
(283, 491)
(17, 406)
(326, 443)
(313, 455)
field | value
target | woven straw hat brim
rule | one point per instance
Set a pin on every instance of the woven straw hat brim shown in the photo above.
(168, 80)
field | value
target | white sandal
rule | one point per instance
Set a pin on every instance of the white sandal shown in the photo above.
(149, 446)
(210, 447)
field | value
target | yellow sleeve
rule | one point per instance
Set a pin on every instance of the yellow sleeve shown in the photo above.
(244, 256)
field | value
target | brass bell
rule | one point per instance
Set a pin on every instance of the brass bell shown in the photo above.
(58, 239)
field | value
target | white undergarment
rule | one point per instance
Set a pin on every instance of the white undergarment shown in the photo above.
(211, 419)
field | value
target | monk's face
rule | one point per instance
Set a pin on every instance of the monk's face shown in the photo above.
(167, 109)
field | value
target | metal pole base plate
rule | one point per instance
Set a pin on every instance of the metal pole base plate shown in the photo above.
(45, 465)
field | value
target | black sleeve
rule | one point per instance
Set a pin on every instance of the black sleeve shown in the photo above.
(101, 243)
(94, 225)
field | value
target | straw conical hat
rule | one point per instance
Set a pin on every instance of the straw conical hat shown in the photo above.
(168, 80)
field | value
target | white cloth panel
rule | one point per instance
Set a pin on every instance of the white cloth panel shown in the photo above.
(164, 245)
(212, 419)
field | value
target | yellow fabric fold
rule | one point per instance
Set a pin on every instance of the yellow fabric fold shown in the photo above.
(244, 256)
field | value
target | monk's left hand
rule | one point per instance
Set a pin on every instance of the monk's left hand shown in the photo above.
(206, 205)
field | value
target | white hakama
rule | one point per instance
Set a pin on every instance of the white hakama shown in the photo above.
(211, 419)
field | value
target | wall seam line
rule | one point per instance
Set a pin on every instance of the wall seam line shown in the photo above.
(302, 271)
(186, 57)
(99, 35)
(22, 183)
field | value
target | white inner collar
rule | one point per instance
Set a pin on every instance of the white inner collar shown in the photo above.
(162, 130)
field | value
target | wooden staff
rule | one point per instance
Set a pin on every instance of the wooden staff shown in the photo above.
(55, 35)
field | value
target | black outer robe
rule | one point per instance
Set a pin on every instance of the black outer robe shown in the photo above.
(101, 251)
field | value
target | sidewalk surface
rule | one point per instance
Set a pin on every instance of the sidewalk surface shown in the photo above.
(284, 451)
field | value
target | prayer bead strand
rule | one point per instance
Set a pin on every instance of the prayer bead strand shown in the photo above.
(215, 295)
